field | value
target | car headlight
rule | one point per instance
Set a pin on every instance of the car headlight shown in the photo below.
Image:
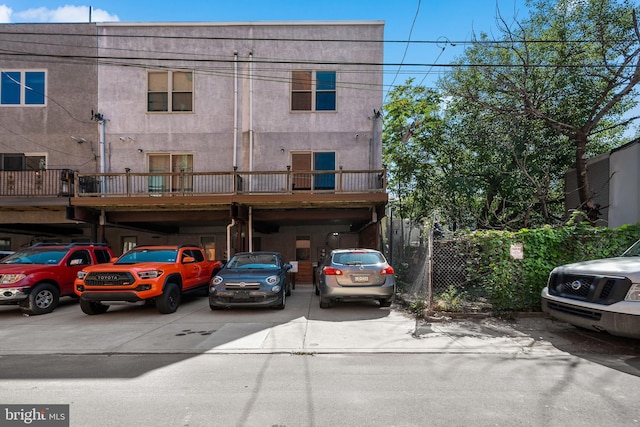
(11, 278)
(275, 289)
(272, 280)
(217, 280)
(81, 274)
(634, 293)
(151, 274)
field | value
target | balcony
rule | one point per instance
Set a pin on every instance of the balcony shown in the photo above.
(192, 188)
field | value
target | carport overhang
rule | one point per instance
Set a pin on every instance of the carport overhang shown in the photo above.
(268, 213)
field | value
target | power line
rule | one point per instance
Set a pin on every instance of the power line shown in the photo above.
(303, 40)
(406, 49)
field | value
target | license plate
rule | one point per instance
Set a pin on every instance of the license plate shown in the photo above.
(241, 295)
(361, 279)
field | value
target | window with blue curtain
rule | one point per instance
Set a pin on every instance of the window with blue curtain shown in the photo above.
(325, 91)
(34, 88)
(22, 87)
(324, 162)
(10, 89)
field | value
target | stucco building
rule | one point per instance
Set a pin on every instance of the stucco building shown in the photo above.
(235, 136)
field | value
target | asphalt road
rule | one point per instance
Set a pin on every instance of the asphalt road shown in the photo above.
(352, 365)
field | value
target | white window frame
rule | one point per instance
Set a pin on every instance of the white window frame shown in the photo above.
(24, 88)
(314, 91)
(170, 91)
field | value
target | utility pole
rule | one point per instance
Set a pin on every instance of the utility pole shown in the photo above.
(98, 117)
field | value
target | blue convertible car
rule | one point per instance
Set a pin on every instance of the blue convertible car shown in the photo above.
(251, 279)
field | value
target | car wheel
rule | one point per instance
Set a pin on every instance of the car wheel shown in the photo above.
(169, 301)
(315, 288)
(386, 302)
(42, 299)
(283, 301)
(324, 302)
(90, 307)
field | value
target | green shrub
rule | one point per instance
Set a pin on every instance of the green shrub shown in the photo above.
(515, 284)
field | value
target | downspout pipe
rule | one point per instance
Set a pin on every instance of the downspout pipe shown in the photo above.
(251, 111)
(235, 110)
(229, 227)
(250, 229)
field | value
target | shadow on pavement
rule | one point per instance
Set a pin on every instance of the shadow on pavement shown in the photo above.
(130, 340)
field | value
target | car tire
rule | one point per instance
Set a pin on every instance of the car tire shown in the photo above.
(386, 302)
(283, 301)
(42, 299)
(316, 289)
(92, 308)
(324, 302)
(288, 290)
(215, 307)
(169, 301)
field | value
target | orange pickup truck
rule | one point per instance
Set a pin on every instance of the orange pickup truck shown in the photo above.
(159, 274)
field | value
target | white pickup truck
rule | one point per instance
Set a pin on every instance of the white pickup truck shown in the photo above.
(601, 295)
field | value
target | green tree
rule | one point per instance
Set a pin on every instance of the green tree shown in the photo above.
(572, 65)
(411, 138)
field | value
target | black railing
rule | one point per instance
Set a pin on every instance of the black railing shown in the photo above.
(68, 183)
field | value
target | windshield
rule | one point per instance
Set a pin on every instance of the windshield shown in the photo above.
(35, 256)
(135, 256)
(248, 261)
(357, 258)
(634, 250)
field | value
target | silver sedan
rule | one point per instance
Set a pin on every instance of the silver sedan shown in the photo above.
(355, 274)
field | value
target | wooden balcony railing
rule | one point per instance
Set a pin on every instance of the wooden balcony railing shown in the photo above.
(67, 183)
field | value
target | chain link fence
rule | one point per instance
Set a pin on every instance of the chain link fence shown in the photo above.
(432, 266)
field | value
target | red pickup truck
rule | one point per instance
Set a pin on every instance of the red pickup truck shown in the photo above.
(159, 274)
(36, 277)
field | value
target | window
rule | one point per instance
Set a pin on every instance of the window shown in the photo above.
(22, 88)
(170, 91)
(303, 248)
(313, 91)
(165, 164)
(317, 161)
(128, 243)
(22, 162)
(209, 245)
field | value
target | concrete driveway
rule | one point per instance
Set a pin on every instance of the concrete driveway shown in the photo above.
(302, 327)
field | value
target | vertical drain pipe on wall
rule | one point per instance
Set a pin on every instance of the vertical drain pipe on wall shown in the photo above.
(250, 115)
(250, 229)
(235, 110)
(229, 227)
(235, 143)
(251, 142)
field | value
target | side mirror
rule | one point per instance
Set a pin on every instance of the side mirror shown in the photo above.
(288, 266)
(76, 261)
(188, 260)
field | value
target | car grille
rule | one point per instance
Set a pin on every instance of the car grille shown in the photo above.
(575, 311)
(109, 279)
(242, 285)
(593, 289)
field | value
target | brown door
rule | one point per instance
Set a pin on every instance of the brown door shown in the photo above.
(301, 163)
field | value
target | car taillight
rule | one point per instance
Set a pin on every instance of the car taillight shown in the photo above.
(331, 271)
(387, 270)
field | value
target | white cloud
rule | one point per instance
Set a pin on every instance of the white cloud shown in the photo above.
(62, 14)
(5, 14)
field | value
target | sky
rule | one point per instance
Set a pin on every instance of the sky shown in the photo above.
(424, 32)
